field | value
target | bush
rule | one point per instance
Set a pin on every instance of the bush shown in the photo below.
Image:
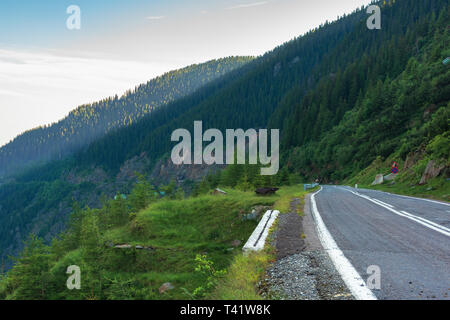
(439, 147)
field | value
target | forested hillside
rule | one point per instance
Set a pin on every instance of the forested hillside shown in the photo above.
(89, 122)
(304, 87)
(393, 99)
(341, 95)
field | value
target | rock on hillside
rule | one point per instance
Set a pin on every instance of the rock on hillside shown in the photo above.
(432, 170)
(165, 170)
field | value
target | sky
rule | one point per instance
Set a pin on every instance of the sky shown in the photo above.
(47, 70)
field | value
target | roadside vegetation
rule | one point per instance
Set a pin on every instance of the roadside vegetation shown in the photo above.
(407, 181)
(348, 102)
(243, 276)
(341, 96)
(143, 246)
(247, 270)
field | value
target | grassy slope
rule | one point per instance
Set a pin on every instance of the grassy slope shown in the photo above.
(206, 224)
(245, 272)
(406, 182)
(179, 230)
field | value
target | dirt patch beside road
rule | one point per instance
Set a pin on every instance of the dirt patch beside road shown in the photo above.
(289, 234)
(303, 270)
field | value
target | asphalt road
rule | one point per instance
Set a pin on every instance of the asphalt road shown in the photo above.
(407, 238)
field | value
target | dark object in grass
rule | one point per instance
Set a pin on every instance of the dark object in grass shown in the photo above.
(266, 191)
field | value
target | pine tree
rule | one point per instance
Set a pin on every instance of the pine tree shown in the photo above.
(91, 250)
(179, 194)
(170, 189)
(29, 277)
(244, 184)
(118, 211)
(142, 194)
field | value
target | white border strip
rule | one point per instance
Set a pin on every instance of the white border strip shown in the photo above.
(257, 240)
(351, 277)
(427, 223)
(408, 197)
(415, 198)
(384, 203)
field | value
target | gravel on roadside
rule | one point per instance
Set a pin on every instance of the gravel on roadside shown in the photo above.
(302, 270)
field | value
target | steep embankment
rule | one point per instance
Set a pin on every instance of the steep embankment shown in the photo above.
(173, 249)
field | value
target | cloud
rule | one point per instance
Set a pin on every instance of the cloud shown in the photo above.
(10, 93)
(45, 86)
(11, 60)
(248, 5)
(155, 17)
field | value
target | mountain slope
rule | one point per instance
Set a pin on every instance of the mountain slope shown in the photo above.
(89, 122)
(324, 90)
(367, 110)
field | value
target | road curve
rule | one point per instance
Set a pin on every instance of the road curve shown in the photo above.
(407, 238)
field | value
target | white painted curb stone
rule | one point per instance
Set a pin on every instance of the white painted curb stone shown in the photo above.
(257, 240)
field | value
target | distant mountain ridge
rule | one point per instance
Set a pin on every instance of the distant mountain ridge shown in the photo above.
(89, 122)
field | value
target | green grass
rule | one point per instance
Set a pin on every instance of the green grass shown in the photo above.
(286, 194)
(179, 230)
(246, 271)
(440, 189)
(406, 182)
(243, 276)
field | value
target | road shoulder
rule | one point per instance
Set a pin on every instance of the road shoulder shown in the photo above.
(302, 270)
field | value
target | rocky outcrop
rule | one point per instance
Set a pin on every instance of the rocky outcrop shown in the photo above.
(128, 246)
(123, 246)
(128, 170)
(389, 177)
(379, 179)
(412, 159)
(218, 191)
(165, 170)
(256, 213)
(166, 287)
(95, 176)
(432, 170)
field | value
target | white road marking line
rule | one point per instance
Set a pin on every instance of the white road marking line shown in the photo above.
(414, 198)
(427, 223)
(351, 277)
(434, 201)
(386, 204)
